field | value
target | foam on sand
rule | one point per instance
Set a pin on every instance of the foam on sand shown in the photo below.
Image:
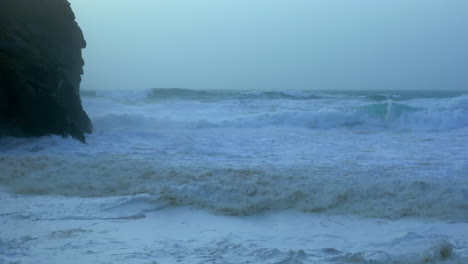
(100, 230)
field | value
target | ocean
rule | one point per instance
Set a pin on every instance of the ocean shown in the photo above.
(218, 176)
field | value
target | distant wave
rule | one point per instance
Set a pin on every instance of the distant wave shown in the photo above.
(385, 115)
(161, 94)
(409, 95)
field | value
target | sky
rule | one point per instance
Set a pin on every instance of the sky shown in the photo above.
(275, 44)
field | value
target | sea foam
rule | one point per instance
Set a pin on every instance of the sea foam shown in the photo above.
(180, 108)
(388, 155)
(173, 175)
(378, 192)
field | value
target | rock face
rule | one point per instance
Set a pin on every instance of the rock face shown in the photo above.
(40, 70)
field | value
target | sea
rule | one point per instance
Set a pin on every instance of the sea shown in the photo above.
(236, 176)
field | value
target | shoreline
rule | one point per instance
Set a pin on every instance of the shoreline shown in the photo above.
(141, 234)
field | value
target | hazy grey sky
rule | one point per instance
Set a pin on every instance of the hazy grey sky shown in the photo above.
(275, 44)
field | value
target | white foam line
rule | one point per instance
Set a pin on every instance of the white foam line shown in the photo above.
(187, 235)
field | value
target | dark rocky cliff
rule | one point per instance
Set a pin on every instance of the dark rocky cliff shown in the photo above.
(40, 70)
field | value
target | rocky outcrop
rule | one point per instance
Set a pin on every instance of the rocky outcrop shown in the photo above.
(40, 70)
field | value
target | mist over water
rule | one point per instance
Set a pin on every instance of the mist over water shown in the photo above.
(298, 44)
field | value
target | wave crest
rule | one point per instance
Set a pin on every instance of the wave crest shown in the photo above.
(163, 94)
(242, 191)
(386, 115)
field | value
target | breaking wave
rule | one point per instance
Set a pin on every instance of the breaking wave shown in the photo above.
(161, 94)
(333, 153)
(243, 191)
(385, 115)
(183, 108)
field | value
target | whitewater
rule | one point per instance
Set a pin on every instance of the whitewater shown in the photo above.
(218, 176)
